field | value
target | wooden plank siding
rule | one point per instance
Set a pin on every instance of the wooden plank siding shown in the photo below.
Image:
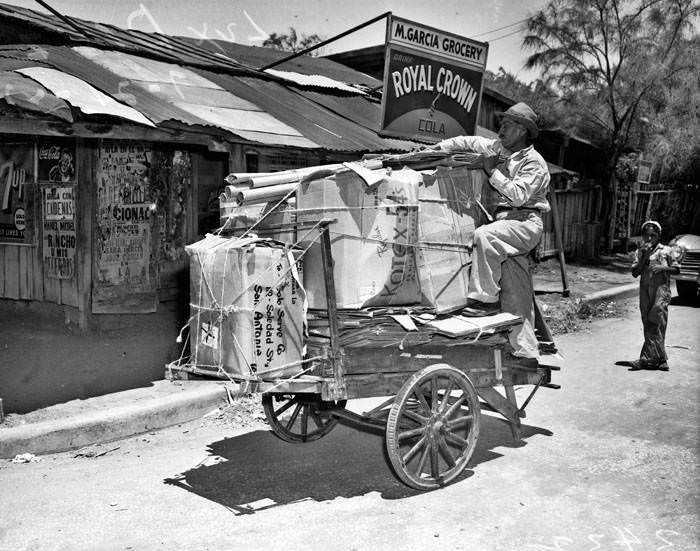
(577, 210)
(11, 271)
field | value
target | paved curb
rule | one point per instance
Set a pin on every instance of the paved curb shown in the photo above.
(113, 423)
(617, 293)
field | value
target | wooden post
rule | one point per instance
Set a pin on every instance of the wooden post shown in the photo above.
(558, 241)
(87, 155)
(557, 221)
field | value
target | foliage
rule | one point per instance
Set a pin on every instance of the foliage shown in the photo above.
(627, 167)
(552, 109)
(609, 58)
(616, 63)
(567, 315)
(292, 42)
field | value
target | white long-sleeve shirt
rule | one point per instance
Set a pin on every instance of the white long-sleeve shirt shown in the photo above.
(524, 185)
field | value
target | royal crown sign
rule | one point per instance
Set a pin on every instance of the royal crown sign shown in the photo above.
(432, 82)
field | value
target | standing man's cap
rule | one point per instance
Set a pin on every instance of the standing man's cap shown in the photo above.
(522, 114)
(652, 223)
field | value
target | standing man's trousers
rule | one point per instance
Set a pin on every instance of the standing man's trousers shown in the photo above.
(654, 298)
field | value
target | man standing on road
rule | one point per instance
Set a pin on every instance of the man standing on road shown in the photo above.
(521, 182)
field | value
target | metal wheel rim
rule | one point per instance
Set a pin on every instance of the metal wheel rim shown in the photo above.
(433, 426)
(299, 418)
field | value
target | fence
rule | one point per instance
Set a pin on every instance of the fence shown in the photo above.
(579, 209)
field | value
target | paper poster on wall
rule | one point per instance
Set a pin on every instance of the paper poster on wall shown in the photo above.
(124, 278)
(16, 192)
(56, 161)
(58, 208)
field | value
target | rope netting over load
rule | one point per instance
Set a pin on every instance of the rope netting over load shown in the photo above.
(401, 235)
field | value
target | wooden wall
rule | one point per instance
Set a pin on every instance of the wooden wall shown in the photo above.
(23, 278)
(21, 265)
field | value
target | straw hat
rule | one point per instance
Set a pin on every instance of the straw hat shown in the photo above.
(522, 114)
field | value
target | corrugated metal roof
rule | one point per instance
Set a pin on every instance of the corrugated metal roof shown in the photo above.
(155, 45)
(29, 95)
(82, 95)
(191, 82)
(331, 130)
(301, 121)
(315, 81)
(256, 56)
(196, 95)
(197, 52)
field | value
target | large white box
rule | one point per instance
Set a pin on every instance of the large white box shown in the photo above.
(449, 213)
(247, 309)
(373, 241)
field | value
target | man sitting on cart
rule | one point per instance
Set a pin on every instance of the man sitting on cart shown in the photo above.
(521, 181)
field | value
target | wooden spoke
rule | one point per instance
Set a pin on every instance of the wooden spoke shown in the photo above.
(418, 391)
(406, 458)
(421, 463)
(456, 440)
(285, 407)
(431, 406)
(434, 461)
(445, 452)
(454, 423)
(458, 403)
(415, 417)
(410, 433)
(435, 398)
(290, 420)
(305, 420)
(446, 396)
(293, 417)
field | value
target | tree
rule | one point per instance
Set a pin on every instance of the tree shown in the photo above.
(610, 59)
(538, 95)
(292, 42)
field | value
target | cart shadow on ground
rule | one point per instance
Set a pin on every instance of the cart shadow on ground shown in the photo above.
(257, 471)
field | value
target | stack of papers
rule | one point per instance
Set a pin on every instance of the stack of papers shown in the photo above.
(460, 326)
(375, 328)
(380, 328)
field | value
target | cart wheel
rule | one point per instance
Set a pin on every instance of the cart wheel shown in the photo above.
(300, 417)
(432, 427)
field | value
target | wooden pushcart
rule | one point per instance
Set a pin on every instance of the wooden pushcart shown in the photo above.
(438, 390)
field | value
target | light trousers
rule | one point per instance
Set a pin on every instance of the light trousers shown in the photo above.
(500, 268)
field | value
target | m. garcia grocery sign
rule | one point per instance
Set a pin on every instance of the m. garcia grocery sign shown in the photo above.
(432, 82)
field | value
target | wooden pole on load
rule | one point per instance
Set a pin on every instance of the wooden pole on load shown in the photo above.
(336, 390)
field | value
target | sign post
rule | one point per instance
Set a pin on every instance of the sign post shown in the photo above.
(432, 82)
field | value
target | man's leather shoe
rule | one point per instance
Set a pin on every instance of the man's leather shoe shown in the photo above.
(476, 309)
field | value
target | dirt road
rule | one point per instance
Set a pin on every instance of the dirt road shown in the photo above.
(610, 461)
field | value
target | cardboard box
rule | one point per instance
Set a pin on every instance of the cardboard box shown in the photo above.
(247, 310)
(448, 217)
(264, 218)
(373, 242)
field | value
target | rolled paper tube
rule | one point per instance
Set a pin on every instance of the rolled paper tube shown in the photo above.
(231, 192)
(232, 178)
(263, 195)
(264, 179)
